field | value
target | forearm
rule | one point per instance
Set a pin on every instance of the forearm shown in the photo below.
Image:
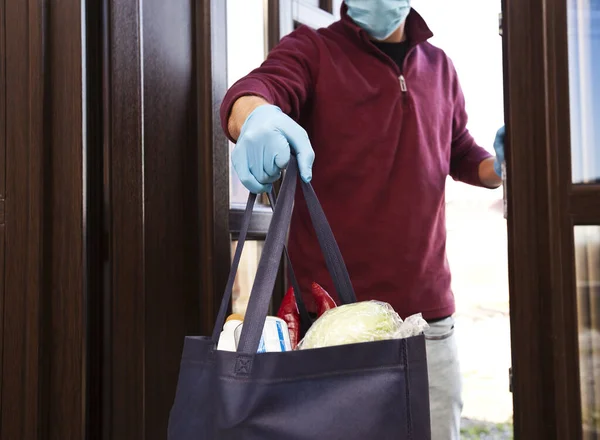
(240, 111)
(487, 175)
(285, 79)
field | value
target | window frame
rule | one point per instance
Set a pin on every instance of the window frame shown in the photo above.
(309, 15)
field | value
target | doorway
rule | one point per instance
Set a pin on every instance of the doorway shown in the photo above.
(468, 31)
(479, 267)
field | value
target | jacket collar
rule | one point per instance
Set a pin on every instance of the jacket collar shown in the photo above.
(416, 28)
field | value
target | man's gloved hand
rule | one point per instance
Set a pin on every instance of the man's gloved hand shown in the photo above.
(263, 148)
(499, 148)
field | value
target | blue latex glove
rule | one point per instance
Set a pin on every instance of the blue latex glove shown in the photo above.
(263, 148)
(499, 148)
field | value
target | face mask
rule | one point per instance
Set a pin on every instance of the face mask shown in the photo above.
(380, 18)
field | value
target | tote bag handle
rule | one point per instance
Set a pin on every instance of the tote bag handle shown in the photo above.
(268, 266)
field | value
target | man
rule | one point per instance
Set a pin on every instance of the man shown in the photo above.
(385, 114)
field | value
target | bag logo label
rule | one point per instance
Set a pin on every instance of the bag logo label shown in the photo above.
(243, 366)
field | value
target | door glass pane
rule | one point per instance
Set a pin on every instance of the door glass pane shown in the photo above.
(587, 263)
(246, 49)
(245, 275)
(584, 85)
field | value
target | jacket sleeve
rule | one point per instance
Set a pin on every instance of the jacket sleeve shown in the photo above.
(465, 155)
(285, 79)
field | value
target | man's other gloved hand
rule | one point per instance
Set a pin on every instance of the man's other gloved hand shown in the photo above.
(263, 148)
(499, 148)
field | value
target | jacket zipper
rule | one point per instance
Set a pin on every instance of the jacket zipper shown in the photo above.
(402, 79)
(403, 87)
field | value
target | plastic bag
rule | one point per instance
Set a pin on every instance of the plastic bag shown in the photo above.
(412, 326)
(365, 321)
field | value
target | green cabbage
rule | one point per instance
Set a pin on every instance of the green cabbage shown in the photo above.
(365, 321)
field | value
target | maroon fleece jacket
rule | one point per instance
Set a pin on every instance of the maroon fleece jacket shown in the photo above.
(385, 139)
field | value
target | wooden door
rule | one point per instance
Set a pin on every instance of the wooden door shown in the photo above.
(551, 53)
(43, 148)
(100, 224)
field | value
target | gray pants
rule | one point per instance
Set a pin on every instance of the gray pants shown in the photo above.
(445, 381)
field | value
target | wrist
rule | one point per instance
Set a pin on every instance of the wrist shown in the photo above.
(487, 173)
(240, 111)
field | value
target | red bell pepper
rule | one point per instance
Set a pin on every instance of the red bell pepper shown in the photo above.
(288, 311)
(322, 299)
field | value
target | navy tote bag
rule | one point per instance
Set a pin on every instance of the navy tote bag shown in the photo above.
(375, 390)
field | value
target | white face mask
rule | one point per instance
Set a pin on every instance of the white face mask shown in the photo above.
(380, 18)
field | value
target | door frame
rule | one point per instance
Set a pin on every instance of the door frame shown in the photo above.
(543, 207)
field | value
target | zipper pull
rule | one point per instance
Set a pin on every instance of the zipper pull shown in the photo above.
(403, 84)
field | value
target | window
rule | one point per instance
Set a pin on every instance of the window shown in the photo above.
(587, 263)
(584, 88)
(246, 50)
(251, 24)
